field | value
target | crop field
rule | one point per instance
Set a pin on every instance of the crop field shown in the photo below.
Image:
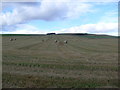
(86, 61)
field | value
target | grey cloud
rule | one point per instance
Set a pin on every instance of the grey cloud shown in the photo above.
(48, 11)
(6, 5)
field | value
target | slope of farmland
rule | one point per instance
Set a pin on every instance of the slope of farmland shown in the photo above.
(85, 61)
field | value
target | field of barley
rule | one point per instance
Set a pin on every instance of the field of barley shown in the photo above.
(86, 61)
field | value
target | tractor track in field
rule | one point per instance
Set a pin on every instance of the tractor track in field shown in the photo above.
(64, 49)
(30, 46)
(36, 45)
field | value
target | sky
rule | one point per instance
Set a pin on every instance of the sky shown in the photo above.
(60, 16)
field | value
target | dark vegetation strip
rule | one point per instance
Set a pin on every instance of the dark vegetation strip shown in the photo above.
(71, 67)
(92, 36)
(98, 36)
(12, 58)
(59, 82)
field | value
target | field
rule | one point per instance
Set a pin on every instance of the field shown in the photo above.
(86, 61)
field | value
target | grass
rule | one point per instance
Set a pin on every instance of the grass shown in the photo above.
(87, 61)
(59, 82)
(71, 67)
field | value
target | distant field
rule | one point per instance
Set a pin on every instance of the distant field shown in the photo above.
(86, 61)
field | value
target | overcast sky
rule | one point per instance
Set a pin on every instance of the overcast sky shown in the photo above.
(60, 16)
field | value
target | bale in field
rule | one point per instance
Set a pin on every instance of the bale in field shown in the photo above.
(66, 41)
(56, 41)
(11, 39)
